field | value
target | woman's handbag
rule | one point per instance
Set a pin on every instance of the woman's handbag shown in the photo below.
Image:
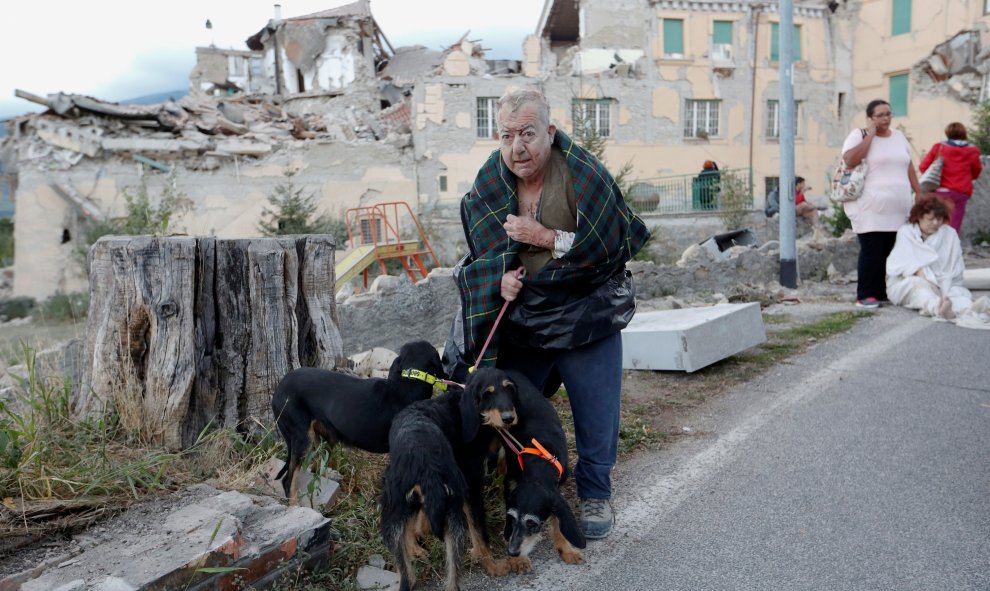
(847, 183)
(932, 178)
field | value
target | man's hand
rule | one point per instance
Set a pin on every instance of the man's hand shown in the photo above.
(529, 231)
(511, 284)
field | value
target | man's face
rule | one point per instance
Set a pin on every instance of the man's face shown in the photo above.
(525, 141)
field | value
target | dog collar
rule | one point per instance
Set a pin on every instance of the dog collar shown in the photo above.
(422, 376)
(537, 450)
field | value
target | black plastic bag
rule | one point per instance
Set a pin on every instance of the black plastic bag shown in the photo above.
(561, 319)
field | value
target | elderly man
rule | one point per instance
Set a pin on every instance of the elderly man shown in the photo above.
(545, 205)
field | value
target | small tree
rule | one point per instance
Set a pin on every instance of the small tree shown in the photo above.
(980, 132)
(589, 138)
(838, 222)
(144, 215)
(293, 212)
(735, 200)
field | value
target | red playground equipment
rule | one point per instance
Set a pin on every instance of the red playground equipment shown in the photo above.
(380, 232)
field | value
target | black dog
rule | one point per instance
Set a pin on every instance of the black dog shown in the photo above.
(436, 475)
(311, 403)
(534, 472)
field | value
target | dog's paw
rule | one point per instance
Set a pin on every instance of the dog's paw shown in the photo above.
(520, 564)
(418, 552)
(571, 555)
(495, 568)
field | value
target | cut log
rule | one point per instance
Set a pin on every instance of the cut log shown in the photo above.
(186, 334)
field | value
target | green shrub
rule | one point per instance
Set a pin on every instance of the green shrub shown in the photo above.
(16, 307)
(292, 212)
(979, 133)
(838, 222)
(6, 243)
(735, 200)
(65, 307)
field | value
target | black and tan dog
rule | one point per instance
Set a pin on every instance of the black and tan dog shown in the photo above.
(435, 479)
(311, 403)
(536, 466)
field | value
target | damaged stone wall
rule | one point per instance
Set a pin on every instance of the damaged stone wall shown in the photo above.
(402, 311)
(76, 167)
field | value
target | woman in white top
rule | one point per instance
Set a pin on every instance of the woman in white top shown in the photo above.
(883, 208)
(925, 269)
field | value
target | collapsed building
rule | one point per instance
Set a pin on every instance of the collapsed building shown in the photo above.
(326, 99)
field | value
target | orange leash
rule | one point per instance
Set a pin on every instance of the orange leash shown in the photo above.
(538, 450)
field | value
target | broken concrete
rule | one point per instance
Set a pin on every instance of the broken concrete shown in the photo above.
(198, 539)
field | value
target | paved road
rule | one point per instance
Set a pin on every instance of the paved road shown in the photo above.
(862, 464)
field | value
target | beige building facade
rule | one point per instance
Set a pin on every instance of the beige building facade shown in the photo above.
(669, 83)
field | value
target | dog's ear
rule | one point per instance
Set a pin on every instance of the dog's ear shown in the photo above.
(510, 523)
(395, 370)
(470, 415)
(568, 525)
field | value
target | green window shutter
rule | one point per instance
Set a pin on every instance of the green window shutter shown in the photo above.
(899, 95)
(673, 36)
(774, 42)
(722, 33)
(900, 17)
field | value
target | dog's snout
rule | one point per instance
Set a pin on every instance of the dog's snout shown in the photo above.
(508, 418)
(512, 551)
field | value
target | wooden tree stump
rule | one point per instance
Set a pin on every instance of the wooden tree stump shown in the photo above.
(185, 333)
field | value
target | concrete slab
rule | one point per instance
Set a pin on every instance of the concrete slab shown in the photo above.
(978, 279)
(198, 539)
(689, 339)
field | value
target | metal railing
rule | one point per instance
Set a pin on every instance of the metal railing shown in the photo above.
(685, 193)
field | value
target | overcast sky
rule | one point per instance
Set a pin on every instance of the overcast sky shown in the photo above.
(122, 49)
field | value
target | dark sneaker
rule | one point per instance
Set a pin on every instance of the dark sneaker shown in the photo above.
(596, 518)
(868, 304)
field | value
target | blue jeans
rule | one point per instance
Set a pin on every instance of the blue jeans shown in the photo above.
(592, 376)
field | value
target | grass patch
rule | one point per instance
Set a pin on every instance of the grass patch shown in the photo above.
(59, 473)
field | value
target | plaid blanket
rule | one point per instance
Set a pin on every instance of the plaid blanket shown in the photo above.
(608, 235)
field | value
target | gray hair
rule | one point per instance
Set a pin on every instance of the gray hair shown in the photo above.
(515, 99)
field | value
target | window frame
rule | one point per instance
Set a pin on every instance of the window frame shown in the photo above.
(775, 43)
(601, 105)
(487, 120)
(672, 55)
(771, 130)
(718, 47)
(691, 115)
(896, 107)
(901, 16)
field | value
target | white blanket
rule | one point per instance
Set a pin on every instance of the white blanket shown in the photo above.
(940, 260)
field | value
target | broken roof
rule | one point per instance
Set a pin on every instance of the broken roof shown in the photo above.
(359, 9)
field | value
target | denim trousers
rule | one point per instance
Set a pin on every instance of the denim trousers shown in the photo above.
(592, 376)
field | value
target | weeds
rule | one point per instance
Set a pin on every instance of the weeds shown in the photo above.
(93, 470)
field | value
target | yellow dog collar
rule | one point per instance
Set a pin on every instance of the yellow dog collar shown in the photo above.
(422, 376)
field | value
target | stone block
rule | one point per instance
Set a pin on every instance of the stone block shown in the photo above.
(325, 488)
(371, 577)
(689, 339)
(193, 545)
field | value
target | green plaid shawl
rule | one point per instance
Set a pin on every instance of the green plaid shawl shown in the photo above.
(608, 235)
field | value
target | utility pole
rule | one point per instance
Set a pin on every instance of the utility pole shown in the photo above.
(785, 111)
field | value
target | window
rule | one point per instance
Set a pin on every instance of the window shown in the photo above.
(236, 64)
(701, 119)
(986, 6)
(770, 183)
(592, 116)
(722, 40)
(773, 118)
(486, 119)
(673, 38)
(899, 94)
(775, 42)
(900, 17)
(443, 183)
